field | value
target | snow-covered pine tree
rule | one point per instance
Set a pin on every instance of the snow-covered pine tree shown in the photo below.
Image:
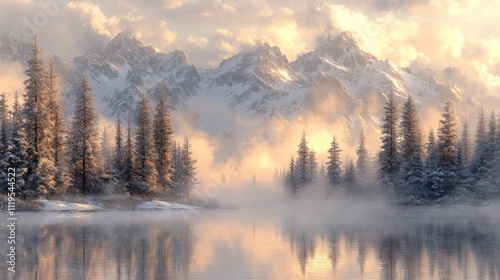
(479, 166)
(128, 163)
(498, 132)
(187, 170)
(486, 183)
(41, 169)
(447, 152)
(58, 129)
(411, 152)
(466, 144)
(350, 176)
(291, 178)
(106, 152)
(494, 166)
(362, 152)
(15, 155)
(334, 165)
(431, 161)
(411, 135)
(303, 164)
(146, 177)
(389, 156)
(492, 134)
(447, 138)
(176, 154)
(3, 122)
(313, 166)
(464, 177)
(163, 134)
(4, 147)
(119, 152)
(479, 159)
(83, 145)
(433, 174)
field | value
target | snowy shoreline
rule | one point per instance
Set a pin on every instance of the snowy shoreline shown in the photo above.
(95, 204)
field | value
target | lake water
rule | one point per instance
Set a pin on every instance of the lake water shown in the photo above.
(297, 240)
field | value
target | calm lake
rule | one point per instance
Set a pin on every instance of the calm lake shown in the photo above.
(296, 240)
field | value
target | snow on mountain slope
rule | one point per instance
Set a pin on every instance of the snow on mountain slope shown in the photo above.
(338, 82)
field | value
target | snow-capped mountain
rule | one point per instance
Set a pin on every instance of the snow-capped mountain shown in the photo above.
(125, 69)
(338, 81)
(13, 47)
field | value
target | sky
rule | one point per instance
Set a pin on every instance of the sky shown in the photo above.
(412, 33)
(415, 33)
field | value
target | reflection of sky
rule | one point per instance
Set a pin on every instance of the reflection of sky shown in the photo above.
(367, 241)
(418, 32)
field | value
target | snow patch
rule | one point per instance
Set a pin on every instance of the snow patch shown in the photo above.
(58, 205)
(157, 205)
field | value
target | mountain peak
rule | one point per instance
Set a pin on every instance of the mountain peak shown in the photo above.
(266, 52)
(344, 49)
(14, 47)
(121, 40)
(344, 38)
(125, 48)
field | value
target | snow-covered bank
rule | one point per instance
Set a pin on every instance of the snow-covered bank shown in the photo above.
(92, 204)
(157, 205)
(99, 204)
(59, 205)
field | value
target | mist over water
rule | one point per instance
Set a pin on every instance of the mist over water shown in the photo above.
(269, 236)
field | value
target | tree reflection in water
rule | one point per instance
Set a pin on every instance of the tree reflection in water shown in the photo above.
(160, 246)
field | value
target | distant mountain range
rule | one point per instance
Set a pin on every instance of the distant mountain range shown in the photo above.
(337, 82)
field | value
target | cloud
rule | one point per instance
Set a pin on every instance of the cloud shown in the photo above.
(429, 33)
(93, 17)
(11, 79)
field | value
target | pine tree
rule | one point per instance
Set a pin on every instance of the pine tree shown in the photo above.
(350, 176)
(303, 164)
(291, 178)
(411, 142)
(41, 169)
(106, 151)
(447, 138)
(128, 168)
(362, 152)
(389, 158)
(334, 164)
(464, 176)
(3, 122)
(83, 143)
(486, 185)
(176, 163)
(411, 152)
(145, 161)
(447, 153)
(466, 144)
(16, 151)
(4, 147)
(432, 159)
(492, 133)
(498, 132)
(313, 166)
(163, 134)
(187, 170)
(479, 161)
(433, 174)
(58, 130)
(119, 153)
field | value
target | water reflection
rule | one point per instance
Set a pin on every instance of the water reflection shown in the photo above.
(401, 248)
(239, 245)
(88, 248)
